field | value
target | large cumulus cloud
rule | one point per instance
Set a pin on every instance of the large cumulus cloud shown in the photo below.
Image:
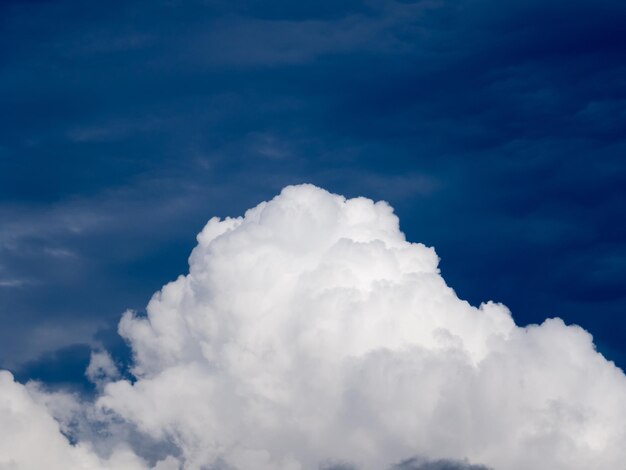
(310, 334)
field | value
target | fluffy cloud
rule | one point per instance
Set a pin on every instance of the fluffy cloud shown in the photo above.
(310, 334)
(101, 368)
(31, 439)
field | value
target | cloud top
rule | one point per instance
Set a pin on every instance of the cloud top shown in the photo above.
(310, 331)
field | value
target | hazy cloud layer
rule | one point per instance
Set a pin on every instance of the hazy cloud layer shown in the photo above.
(422, 464)
(310, 331)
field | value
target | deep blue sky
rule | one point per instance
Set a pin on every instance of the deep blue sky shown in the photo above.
(497, 129)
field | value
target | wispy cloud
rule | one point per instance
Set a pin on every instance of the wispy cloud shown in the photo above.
(14, 282)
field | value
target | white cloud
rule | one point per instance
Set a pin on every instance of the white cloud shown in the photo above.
(310, 331)
(30, 439)
(101, 368)
(12, 282)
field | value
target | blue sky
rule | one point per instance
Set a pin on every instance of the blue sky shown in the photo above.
(495, 129)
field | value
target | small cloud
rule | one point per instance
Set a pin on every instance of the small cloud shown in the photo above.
(14, 282)
(111, 130)
(269, 146)
(59, 252)
(101, 369)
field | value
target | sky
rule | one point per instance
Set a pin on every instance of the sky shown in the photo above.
(496, 130)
